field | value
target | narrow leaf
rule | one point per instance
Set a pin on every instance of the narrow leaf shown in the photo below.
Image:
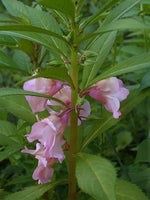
(7, 63)
(34, 29)
(129, 65)
(17, 105)
(104, 44)
(7, 128)
(34, 192)
(145, 81)
(4, 92)
(65, 6)
(96, 176)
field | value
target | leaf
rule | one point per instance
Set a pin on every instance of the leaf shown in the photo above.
(143, 153)
(145, 83)
(104, 45)
(65, 6)
(96, 176)
(106, 121)
(23, 60)
(29, 28)
(17, 9)
(17, 105)
(38, 18)
(57, 73)
(7, 128)
(115, 14)
(122, 24)
(34, 192)
(7, 63)
(128, 191)
(95, 17)
(120, 10)
(9, 151)
(132, 64)
(13, 91)
(7, 40)
(145, 1)
(142, 179)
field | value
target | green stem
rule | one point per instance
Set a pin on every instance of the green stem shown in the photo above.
(74, 120)
(73, 132)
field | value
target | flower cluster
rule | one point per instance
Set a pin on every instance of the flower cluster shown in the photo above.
(49, 131)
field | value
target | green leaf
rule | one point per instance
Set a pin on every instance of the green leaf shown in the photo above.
(57, 73)
(103, 45)
(29, 28)
(145, 83)
(6, 92)
(9, 151)
(120, 10)
(122, 24)
(128, 191)
(115, 14)
(34, 192)
(95, 17)
(7, 40)
(7, 63)
(142, 179)
(38, 18)
(132, 64)
(65, 6)
(7, 128)
(145, 1)
(96, 176)
(106, 121)
(17, 9)
(17, 105)
(143, 153)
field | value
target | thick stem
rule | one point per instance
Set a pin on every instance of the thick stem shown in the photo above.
(73, 132)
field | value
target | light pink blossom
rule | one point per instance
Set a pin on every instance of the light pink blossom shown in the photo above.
(110, 92)
(43, 172)
(64, 95)
(44, 86)
(49, 132)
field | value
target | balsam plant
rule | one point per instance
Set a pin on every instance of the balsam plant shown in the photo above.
(63, 71)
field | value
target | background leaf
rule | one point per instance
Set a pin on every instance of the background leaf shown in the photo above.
(65, 6)
(34, 192)
(128, 191)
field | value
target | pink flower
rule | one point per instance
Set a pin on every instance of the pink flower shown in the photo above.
(44, 86)
(49, 132)
(64, 95)
(43, 172)
(110, 91)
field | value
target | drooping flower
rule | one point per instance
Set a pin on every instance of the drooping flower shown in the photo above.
(49, 132)
(110, 92)
(43, 172)
(44, 86)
